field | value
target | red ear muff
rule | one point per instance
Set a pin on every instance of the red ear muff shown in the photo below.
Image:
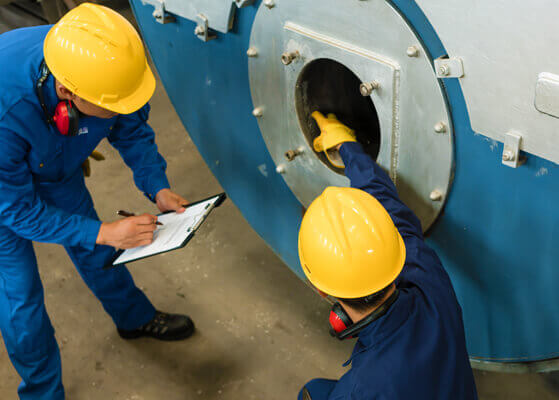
(339, 320)
(66, 118)
(344, 328)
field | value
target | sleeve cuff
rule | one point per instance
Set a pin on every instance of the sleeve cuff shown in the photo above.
(90, 232)
(349, 148)
(155, 186)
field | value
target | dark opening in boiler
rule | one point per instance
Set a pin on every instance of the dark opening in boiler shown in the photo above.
(330, 87)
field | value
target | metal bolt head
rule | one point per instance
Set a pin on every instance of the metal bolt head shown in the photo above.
(412, 51)
(436, 195)
(199, 30)
(252, 52)
(508, 155)
(288, 57)
(291, 154)
(440, 127)
(367, 88)
(444, 70)
(280, 169)
(257, 112)
(270, 3)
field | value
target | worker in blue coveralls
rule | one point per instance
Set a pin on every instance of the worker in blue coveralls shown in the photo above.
(364, 247)
(62, 90)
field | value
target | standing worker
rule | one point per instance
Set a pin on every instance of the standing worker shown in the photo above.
(62, 90)
(365, 248)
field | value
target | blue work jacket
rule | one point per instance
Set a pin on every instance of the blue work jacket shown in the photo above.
(38, 163)
(417, 350)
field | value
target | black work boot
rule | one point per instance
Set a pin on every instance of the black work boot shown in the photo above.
(162, 327)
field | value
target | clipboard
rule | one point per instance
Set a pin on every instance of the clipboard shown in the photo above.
(185, 224)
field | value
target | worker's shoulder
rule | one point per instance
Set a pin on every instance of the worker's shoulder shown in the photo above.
(431, 296)
(423, 266)
(16, 38)
(128, 123)
(21, 53)
(19, 48)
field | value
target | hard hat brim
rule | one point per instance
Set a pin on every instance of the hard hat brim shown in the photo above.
(125, 105)
(136, 100)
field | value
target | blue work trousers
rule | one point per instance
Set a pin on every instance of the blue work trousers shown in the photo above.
(24, 322)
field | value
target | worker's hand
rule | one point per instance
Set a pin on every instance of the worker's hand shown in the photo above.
(86, 166)
(332, 134)
(129, 232)
(167, 200)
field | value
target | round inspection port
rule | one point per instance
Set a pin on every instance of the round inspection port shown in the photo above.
(330, 87)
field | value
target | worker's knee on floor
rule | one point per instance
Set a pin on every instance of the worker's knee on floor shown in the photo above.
(317, 389)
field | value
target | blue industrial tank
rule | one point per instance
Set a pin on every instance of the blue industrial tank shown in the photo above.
(460, 108)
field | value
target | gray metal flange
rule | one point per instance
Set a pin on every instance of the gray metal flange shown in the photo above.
(362, 60)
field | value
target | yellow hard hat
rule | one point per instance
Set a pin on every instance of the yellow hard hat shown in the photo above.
(348, 245)
(98, 55)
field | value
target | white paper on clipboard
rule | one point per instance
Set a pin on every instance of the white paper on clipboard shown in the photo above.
(173, 234)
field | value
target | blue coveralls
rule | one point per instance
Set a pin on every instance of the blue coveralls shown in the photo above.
(417, 350)
(43, 198)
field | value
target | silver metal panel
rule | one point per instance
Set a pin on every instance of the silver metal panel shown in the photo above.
(373, 41)
(505, 45)
(365, 65)
(219, 13)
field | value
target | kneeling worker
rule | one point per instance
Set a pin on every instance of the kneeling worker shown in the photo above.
(365, 248)
(62, 90)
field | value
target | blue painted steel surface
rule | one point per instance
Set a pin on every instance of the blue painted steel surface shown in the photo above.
(499, 231)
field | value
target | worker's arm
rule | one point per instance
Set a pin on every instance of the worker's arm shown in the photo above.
(25, 213)
(135, 141)
(363, 172)
(367, 175)
(422, 263)
(28, 216)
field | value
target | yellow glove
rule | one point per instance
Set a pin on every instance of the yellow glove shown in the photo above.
(332, 133)
(86, 167)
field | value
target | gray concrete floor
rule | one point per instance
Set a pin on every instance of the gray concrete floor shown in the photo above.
(262, 332)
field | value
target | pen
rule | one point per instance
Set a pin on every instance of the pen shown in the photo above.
(123, 213)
